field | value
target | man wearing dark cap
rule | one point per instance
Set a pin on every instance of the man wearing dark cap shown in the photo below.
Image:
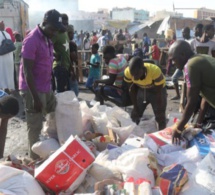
(199, 73)
(35, 74)
(62, 62)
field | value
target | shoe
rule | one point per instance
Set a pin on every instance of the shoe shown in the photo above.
(176, 98)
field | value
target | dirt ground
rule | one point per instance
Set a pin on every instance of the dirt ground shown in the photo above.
(17, 142)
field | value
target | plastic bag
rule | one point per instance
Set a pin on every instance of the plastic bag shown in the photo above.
(134, 163)
(19, 182)
(205, 173)
(145, 126)
(87, 117)
(121, 115)
(123, 132)
(49, 127)
(68, 116)
(202, 179)
(188, 158)
(46, 147)
(100, 123)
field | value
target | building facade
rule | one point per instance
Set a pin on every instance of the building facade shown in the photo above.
(130, 14)
(99, 18)
(203, 13)
(14, 13)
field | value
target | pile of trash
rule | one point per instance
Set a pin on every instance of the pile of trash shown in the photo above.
(99, 150)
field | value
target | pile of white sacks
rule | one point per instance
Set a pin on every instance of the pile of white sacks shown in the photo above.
(134, 152)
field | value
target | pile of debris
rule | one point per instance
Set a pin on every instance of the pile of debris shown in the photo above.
(99, 150)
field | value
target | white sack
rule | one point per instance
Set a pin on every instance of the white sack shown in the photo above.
(87, 117)
(19, 182)
(46, 147)
(202, 179)
(121, 115)
(187, 158)
(100, 124)
(123, 132)
(6, 192)
(145, 126)
(134, 163)
(68, 116)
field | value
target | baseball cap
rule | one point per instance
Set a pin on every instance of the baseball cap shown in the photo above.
(54, 18)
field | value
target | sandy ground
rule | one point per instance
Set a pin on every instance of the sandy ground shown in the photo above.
(17, 142)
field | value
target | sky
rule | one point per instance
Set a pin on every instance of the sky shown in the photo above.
(150, 5)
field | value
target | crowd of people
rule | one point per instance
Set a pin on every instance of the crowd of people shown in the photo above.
(46, 62)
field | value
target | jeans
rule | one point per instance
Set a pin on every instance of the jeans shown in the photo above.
(107, 91)
(74, 86)
(90, 81)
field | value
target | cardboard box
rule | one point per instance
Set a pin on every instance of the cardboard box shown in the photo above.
(66, 168)
(163, 140)
(202, 144)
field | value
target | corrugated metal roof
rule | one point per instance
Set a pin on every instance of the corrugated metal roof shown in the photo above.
(136, 28)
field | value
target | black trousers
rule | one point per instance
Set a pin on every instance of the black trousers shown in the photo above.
(61, 78)
(148, 96)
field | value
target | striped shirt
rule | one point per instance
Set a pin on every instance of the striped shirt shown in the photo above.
(154, 77)
(117, 66)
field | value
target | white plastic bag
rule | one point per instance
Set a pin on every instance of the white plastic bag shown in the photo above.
(187, 158)
(205, 173)
(46, 147)
(68, 116)
(123, 132)
(49, 127)
(19, 182)
(134, 163)
(121, 115)
(6, 192)
(202, 179)
(145, 126)
(87, 117)
(100, 123)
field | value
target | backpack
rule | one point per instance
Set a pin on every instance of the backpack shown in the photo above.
(7, 45)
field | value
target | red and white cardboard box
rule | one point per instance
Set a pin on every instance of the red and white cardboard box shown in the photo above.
(64, 170)
(163, 141)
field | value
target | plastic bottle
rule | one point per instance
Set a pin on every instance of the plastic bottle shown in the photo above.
(145, 188)
(129, 186)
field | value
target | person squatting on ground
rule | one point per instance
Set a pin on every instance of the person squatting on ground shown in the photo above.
(199, 72)
(116, 66)
(147, 86)
(35, 74)
(9, 107)
(94, 70)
